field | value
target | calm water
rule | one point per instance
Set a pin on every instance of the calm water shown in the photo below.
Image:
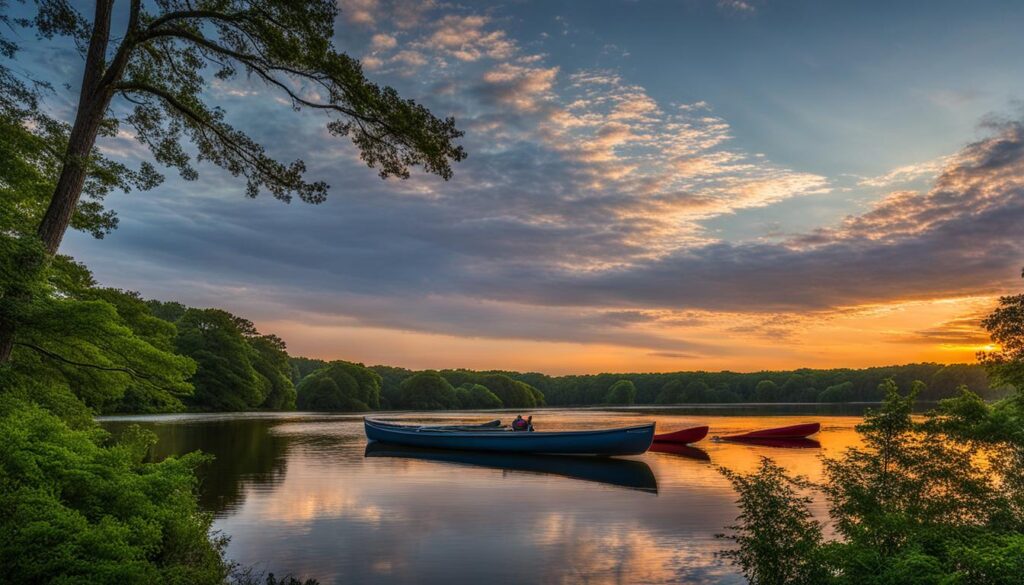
(301, 493)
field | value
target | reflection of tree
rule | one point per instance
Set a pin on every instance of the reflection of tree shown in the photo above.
(247, 453)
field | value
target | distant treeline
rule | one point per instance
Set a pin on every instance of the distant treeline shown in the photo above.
(804, 385)
(237, 368)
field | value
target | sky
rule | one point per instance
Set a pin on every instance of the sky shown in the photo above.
(651, 186)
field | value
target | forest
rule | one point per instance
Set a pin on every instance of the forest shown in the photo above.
(225, 364)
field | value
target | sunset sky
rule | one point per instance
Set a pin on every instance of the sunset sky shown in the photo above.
(651, 186)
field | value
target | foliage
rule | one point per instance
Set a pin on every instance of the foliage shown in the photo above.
(837, 393)
(340, 386)
(161, 66)
(621, 392)
(272, 364)
(32, 147)
(512, 393)
(1006, 326)
(301, 367)
(803, 385)
(933, 501)
(776, 537)
(391, 379)
(73, 338)
(766, 391)
(80, 509)
(476, 396)
(427, 391)
(225, 378)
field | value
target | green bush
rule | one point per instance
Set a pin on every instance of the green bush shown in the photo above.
(77, 507)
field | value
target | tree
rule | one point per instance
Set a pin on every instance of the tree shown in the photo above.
(272, 363)
(935, 501)
(225, 379)
(160, 64)
(512, 393)
(475, 396)
(303, 366)
(697, 391)
(1005, 325)
(766, 391)
(777, 538)
(86, 343)
(340, 386)
(837, 393)
(391, 379)
(621, 392)
(427, 391)
(671, 392)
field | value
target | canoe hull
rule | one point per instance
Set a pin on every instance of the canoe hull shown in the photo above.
(791, 432)
(624, 441)
(685, 436)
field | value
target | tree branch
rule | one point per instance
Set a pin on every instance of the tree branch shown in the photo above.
(198, 120)
(55, 356)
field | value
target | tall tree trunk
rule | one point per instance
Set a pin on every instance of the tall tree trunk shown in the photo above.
(92, 105)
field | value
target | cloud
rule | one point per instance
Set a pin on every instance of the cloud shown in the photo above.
(580, 217)
(521, 87)
(362, 12)
(466, 38)
(957, 239)
(741, 7)
(961, 331)
(383, 42)
(905, 174)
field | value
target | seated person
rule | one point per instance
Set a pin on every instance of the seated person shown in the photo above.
(521, 424)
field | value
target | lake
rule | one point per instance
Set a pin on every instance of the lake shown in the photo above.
(301, 493)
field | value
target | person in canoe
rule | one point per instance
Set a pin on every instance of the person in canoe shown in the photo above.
(522, 424)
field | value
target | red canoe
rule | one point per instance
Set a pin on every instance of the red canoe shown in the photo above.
(792, 432)
(684, 436)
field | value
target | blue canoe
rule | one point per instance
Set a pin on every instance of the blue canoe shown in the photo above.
(623, 441)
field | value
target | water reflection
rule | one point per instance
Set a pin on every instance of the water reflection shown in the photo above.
(626, 473)
(682, 450)
(299, 493)
(778, 443)
(245, 454)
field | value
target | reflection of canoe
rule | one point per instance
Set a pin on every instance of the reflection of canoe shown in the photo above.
(491, 424)
(801, 431)
(691, 435)
(797, 443)
(681, 450)
(620, 472)
(623, 441)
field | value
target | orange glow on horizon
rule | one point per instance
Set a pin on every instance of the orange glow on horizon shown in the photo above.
(863, 336)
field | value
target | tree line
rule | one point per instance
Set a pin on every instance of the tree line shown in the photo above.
(213, 360)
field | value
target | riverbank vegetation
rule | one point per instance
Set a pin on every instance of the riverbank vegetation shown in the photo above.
(931, 501)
